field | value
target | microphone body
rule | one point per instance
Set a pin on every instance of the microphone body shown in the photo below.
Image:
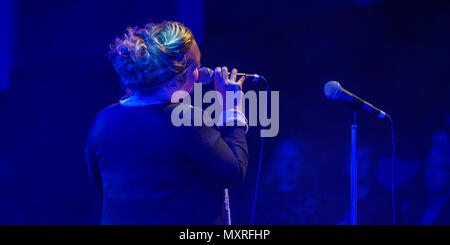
(333, 90)
(206, 75)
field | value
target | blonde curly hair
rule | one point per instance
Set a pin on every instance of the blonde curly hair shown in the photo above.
(147, 57)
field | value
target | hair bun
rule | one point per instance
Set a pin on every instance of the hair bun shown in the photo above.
(147, 57)
(124, 50)
(146, 36)
(141, 55)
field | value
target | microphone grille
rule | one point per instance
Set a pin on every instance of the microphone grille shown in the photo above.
(205, 75)
(332, 90)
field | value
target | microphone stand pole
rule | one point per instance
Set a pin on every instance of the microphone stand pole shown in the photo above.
(353, 172)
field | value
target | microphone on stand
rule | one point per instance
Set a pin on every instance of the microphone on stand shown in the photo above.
(206, 75)
(333, 90)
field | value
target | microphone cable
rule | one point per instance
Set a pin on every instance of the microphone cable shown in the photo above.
(258, 175)
(391, 123)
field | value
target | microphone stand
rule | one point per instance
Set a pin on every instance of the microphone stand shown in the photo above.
(353, 172)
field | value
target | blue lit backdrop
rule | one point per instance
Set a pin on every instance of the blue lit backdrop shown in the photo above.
(392, 53)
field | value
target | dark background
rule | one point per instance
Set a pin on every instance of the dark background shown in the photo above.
(391, 53)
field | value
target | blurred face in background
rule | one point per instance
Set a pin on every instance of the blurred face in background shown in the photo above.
(438, 170)
(440, 138)
(288, 162)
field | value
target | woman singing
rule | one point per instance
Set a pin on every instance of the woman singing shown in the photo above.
(147, 170)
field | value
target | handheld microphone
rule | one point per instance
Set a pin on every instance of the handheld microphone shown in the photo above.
(333, 90)
(206, 75)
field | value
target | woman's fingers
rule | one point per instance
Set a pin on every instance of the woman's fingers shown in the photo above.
(225, 75)
(217, 74)
(241, 81)
(221, 75)
(233, 75)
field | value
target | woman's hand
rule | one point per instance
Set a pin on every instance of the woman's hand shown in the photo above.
(224, 83)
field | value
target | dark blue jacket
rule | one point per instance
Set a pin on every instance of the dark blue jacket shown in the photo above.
(151, 172)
